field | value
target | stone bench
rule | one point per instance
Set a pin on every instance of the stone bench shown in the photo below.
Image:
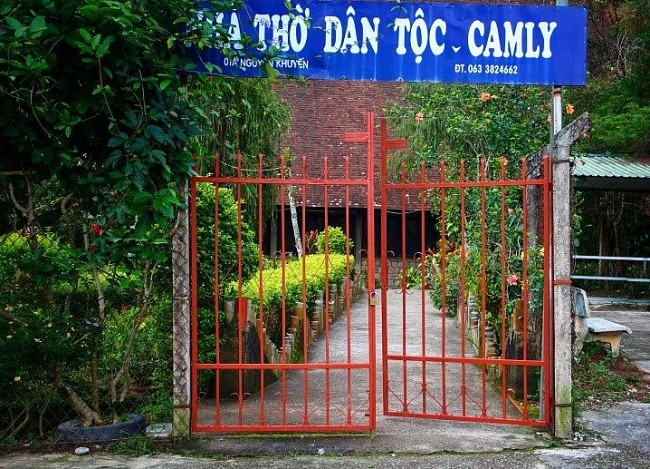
(609, 332)
(599, 329)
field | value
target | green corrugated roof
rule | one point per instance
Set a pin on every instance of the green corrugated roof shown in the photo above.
(612, 173)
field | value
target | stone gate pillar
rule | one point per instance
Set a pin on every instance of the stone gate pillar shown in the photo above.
(562, 349)
(181, 319)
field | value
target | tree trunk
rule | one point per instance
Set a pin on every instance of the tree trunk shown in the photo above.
(88, 416)
(294, 221)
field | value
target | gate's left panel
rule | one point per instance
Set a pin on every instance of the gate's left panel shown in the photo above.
(280, 342)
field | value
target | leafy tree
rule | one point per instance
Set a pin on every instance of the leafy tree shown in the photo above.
(470, 122)
(247, 119)
(617, 95)
(486, 130)
(100, 118)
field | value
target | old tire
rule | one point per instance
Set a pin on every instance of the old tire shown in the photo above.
(74, 431)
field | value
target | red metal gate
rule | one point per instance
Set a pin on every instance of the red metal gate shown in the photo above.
(466, 337)
(293, 352)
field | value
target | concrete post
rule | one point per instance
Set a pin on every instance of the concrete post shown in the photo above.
(562, 273)
(181, 320)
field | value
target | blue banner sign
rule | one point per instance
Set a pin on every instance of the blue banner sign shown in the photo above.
(399, 41)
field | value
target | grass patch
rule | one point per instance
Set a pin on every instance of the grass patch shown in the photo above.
(599, 378)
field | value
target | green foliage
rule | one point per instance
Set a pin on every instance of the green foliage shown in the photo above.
(151, 362)
(133, 446)
(617, 95)
(238, 255)
(449, 287)
(275, 283)
(621, 120)
(246, 118)
(40, 330)
(233, 232)
(412, 278)
(91, 96)
(98, 130)
(617, 98)
(454, 122)
(595, 377)
(485, 131)
(337, 241)
(296, 282)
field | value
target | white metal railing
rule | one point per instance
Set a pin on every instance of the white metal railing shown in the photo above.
(645, 260)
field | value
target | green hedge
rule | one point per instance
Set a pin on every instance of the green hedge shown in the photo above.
(315, 279)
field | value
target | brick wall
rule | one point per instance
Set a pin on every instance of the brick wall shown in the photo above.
(322, 112)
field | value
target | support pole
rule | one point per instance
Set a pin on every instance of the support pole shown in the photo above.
(181, 320)
(561, 149)
(563, 415)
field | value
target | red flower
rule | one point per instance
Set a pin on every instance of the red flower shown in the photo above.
(485, 97)
(97, 229)
(512, 280)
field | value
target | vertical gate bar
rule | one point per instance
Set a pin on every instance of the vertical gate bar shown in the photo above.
(383, 262)
(194, 308)
(217, 287)
(403, 286)
(524, 290)
(348, 317)
(504, 290)
(443, 286)
(547, 309)
(372, 356)
(260, 268)
(240, 348)
(283, 269)
(463, 260)
(306, 328)
(327, 287)
(423, 284)
(483, 289)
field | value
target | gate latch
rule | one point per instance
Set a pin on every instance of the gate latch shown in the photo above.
(372, 300)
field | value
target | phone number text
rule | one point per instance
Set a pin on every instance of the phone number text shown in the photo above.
(486, 69)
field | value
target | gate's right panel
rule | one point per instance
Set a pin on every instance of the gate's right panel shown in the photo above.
(467, 336)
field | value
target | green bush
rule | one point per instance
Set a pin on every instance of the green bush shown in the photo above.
(337, 241)
(315, 278)
(319, 272)
(231, 228)
(40, 330)
(228, 226)
(152, 360)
